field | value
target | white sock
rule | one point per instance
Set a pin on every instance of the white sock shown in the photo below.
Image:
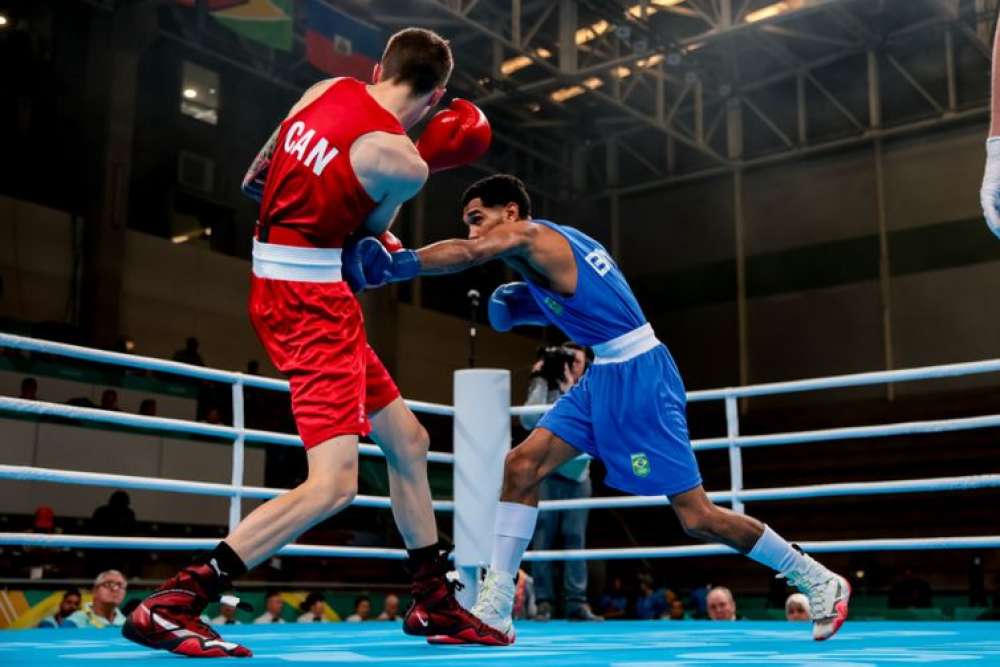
(513, 530)
(773, 551)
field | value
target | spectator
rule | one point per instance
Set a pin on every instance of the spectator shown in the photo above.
(910, 592)
(273, 604)
(29, 389)
(362, 609)
(650, 604)
(115, 518)
(797, 608)
(676, 612)
(554, 374)
(390, 609)
(109, 591)
(148, 407)
(721, 604)
(253, 367)
(312, 607)
(614, 602)
(45, 520)
(227, 611)
(698, 601)
(109, 400)
(68, 606)
(190, 354)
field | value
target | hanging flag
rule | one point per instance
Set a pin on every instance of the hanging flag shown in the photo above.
(268, 22)
(340, 44)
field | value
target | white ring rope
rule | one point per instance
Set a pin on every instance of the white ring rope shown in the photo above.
(28, 473)
(937, 484)
(832, 382)
(840, 546)
(176, 368)
(189, 544)
(185, 544)
(849, 433)
(931, 485)
(146, 423)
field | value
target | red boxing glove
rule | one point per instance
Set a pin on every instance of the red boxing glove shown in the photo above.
(455, 136)
(390, 242)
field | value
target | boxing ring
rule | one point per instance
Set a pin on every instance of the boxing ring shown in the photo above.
(482, 414)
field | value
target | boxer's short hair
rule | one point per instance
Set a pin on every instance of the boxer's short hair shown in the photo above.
(500, 190)
(419, 58)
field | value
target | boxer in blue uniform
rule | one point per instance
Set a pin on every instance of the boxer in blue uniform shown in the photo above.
(628, 410)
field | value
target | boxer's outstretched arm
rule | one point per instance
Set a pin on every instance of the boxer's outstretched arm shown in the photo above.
(456, 255)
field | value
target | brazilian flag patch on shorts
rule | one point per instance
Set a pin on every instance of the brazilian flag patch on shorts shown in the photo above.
(640, 465)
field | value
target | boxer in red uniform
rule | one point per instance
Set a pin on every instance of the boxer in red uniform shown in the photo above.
(340, 164)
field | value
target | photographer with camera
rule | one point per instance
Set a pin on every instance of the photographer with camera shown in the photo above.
(558, 368)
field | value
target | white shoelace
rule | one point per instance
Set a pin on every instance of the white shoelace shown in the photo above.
(814, 577)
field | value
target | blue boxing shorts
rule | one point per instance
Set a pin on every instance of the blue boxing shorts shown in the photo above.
(628, 411)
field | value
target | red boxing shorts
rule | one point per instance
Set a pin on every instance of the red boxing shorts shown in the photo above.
(314, 333)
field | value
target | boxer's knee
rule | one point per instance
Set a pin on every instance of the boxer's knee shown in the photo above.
(329, 494)
(521, 471)
(700, 521)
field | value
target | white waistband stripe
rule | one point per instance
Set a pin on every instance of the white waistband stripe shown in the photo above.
(283, 262)
(627, 346)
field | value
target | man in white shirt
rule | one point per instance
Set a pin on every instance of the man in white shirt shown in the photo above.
(273, 605)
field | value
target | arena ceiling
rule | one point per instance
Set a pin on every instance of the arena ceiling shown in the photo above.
(591, 96)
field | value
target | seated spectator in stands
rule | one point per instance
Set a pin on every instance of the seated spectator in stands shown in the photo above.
(148, 407)
(721, 604)
(362, 609)
(101, 612)
(676, 612)
(109, 400)
(649, 604)
(614, 602)
(910, 592)
(390, 609)
(68, 606)
(698, 601)
(213, 416)
(797, 608)
(45, 520)
(273, 604)
(312, 607)
(29, 389)
(227, 611)
(190, 354)
(115, 518)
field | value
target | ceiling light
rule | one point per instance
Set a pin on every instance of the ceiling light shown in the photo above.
(190, 93)
(3, 21)
(592, 31)
(564, 94)
(773, 10)
(512, 65)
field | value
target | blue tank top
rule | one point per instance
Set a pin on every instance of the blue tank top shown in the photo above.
(603, 306)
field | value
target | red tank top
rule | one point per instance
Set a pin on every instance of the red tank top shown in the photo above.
(312, 197)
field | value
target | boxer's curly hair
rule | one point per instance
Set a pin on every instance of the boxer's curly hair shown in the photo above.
(500, 190)
(417, 57)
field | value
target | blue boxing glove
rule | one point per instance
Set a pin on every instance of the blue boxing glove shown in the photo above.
(513, 305)
(366, 264)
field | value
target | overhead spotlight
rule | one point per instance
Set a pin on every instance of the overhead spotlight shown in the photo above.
(534, 107)
(190, 93)
(3, 21)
